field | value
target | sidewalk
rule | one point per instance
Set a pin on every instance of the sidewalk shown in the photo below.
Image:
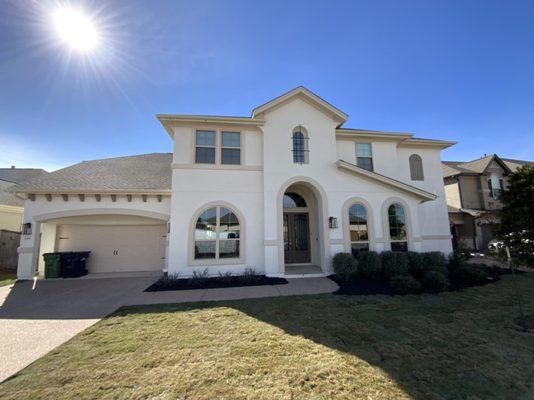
(296, 286)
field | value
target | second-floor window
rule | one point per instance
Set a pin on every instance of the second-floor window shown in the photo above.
(416, 168)
(495, 185)
(364, 156)
(213, 147)
(300, 145)
(205, 147)
(231, 148)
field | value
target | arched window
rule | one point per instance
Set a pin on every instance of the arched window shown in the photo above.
(416, 168)
(217, 234)
(293, 200)
(397, 228)
(358, 229)
(300, 146)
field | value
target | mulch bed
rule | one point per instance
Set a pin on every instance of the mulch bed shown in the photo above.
(165, 284)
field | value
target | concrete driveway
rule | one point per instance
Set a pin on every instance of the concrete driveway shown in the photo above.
(37, 317)
(35, 320)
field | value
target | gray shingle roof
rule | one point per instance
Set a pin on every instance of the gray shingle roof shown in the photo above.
(478, 166)
(17, 175)
(139, 173)
(9, 199)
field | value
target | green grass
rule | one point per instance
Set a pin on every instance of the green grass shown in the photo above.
(7, 278)
(455, 345)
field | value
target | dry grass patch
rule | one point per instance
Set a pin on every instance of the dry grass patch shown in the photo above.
(7, 278)
(452, 345)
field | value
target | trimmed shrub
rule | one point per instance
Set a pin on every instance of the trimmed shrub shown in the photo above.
(394, 263)
(199, 277)
(345, 266)
(434, 259)
(435, 281)
(416, 264)
(369, 264)
(456, 260)
(404, 284)
(468, 275)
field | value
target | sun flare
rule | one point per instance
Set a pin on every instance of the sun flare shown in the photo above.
(76, 29)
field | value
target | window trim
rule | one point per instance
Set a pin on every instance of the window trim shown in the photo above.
(385, 223)
(372, 155)
(219, 146)
(346, 223)
(413, 173)
(194, 262)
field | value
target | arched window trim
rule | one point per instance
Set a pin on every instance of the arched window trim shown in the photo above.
(300, 145)
(346, 222)
(416, 168)
(192, 261)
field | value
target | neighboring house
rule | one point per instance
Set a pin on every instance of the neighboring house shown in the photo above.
(285, 187)
(472, 189)
(11, 206)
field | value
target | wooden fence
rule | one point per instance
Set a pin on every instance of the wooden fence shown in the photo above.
(9, 243)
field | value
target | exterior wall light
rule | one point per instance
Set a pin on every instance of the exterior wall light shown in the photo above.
(27, 228)
(332, 222)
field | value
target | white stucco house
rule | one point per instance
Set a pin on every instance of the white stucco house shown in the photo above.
(281, 191)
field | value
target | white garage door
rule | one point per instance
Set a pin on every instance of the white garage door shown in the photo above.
(116, 248)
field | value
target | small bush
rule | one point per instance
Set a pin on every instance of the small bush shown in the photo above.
(199, 277)
(369, 264)
(404, 284)
(345, 266)
(456, 260)
(470, 275)
(435, 281)
(250, 275)
(416, 264)
(434, 259)
(394, 263)
(226, 277)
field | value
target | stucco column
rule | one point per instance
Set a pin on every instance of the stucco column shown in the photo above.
(271, 242)
(29, 252)
(48, 244)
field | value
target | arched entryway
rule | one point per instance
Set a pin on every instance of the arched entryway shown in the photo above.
(302, 228)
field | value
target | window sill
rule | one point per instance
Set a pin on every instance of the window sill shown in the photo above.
(210, 262)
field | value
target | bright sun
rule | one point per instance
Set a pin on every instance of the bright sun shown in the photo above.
(76, 29)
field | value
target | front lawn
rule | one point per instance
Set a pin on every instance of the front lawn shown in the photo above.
(7, 278)
(455, 345)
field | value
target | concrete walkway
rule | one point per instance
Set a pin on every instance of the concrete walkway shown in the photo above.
(36, 317)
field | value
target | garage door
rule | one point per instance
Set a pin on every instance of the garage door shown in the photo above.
(116, 248)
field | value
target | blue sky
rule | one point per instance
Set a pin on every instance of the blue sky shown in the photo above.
(458, 70)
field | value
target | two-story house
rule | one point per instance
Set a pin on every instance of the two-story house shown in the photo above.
(280, 191)
(472, 189)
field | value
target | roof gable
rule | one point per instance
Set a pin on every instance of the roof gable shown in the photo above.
(478, 166)
(307, 95)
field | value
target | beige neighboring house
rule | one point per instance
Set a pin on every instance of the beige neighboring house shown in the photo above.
(472, 189)
(11, 206)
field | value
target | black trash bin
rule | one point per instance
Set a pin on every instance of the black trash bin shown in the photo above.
(73, 263)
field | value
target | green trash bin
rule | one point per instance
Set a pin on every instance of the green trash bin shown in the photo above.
(52, 265)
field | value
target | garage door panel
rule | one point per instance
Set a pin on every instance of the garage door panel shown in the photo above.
(116, 248)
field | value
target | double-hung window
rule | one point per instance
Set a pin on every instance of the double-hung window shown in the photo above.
(231, 148)
(364, 156)
(214, 147)
(205, 147)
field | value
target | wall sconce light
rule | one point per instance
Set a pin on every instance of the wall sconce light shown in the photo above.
(332, 222)
(27, 228)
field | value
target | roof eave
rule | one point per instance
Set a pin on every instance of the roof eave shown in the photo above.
(168, 120)
(91, 191)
